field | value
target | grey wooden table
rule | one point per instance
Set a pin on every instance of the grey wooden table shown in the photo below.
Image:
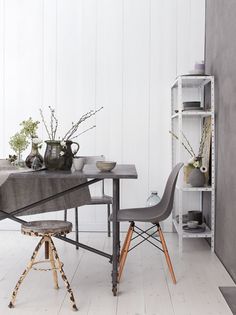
(119, 172)
(92, 175)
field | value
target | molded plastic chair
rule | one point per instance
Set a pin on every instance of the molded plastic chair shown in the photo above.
(103, 199)
(154, 214)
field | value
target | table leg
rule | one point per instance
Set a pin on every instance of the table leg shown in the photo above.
(115, 234)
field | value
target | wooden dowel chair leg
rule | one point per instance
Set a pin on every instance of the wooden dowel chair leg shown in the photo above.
(162, 239)
(125, 249)
(25, 272)
(124, 245)
(63, 275)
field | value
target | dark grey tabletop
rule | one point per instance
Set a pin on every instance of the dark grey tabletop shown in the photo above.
(89, 171)
(120, 171)
(25, 188)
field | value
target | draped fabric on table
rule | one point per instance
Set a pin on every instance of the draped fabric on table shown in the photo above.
(19, 189)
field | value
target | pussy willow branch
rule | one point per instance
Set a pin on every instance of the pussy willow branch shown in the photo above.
(205, 132)
(53, 117)
(189, 145)
(83, 132)
(75, 127)
(51, 122)
(45, 124)
(183, 144)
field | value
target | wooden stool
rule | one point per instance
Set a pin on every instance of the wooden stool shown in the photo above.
(46, 229)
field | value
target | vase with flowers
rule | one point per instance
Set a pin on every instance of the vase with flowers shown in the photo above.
(59, 153)
(29, 129)
(18, 144)
(194, 171)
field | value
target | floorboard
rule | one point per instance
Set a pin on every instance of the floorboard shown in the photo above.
(145, 288)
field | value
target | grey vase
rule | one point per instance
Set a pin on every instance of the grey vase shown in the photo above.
(196, 178)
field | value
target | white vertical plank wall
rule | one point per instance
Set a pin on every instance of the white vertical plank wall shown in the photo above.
(79, 55)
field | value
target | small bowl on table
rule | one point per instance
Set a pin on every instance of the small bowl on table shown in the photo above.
(78, 163)
(105, 166)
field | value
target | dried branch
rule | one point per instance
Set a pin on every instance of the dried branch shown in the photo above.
(83, 132)
(71, 132)
(205, 132)
(189, 145)
(75, 127)
(45, 124)
(53, 117)
(183, 144)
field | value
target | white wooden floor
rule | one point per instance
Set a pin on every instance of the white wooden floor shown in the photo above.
(145, 289)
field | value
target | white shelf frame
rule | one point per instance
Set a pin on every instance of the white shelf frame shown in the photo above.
(200, 113)
(193, 82)
(206, 234)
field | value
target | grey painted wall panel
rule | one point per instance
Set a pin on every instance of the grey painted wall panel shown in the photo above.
(221, 62)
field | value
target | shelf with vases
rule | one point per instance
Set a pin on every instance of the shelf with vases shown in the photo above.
(189, 124)
(192, 80)
(188, 187)
(206, 234)
(191, 113)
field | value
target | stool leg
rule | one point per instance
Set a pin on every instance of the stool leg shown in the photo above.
(64, 278)
(25, 272)
(52, 262)
(65, 215)
(46, 249)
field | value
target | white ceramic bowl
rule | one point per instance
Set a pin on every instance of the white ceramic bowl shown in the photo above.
(105, 166)
(78, 163)
(192, 224)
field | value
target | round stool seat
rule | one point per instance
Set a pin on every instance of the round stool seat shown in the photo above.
(42, 227)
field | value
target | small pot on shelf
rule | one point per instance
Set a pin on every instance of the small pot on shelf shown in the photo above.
(197, 178)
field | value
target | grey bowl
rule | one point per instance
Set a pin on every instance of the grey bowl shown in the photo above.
(105, 166)
(191, 104)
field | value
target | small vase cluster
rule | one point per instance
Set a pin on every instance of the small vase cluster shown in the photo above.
(59, 153)
(195, 170)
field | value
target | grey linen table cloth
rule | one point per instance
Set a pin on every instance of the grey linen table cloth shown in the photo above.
(21, 188)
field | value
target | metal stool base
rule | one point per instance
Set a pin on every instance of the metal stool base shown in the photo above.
(53, 259)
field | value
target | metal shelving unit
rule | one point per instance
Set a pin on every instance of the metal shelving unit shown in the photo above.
(186, 88)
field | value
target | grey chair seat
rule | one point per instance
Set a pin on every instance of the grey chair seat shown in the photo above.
(100, 200)
(47, 227)
(146, 214)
